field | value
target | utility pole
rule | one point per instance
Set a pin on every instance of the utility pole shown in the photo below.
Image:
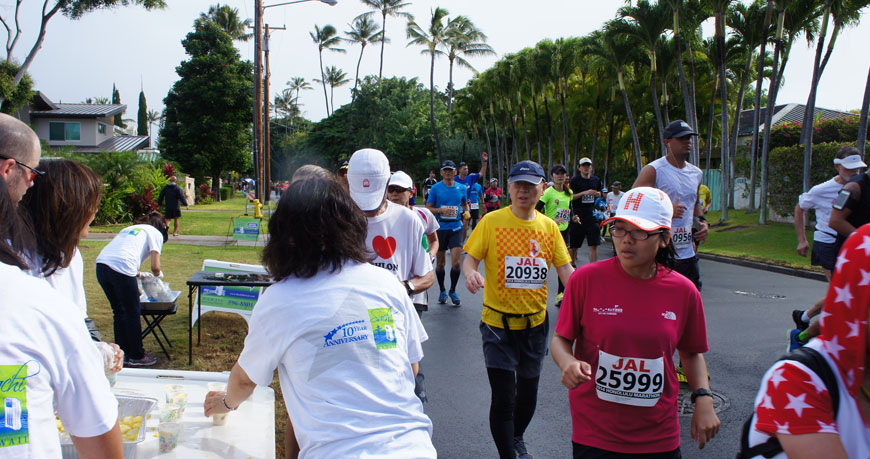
(258, 100)
(267, 142)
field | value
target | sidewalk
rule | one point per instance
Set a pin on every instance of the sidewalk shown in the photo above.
(214, 241)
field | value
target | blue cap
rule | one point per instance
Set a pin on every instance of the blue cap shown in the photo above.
(448, 165)
(526, 171)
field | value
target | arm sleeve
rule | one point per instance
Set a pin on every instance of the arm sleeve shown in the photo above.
(421, 263)
(795, 401)
(264, 344)
(181, 196)
(432, 192)
(478, 242)
(161, 196)
(560, 255)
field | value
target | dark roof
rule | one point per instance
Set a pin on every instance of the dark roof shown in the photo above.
(125, 143)
(80, 111)
(42, 102)
(784, 114)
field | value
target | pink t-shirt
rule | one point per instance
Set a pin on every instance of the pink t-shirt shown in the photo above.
(633, 326)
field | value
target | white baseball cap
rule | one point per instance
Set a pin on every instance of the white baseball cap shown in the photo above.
(850, 162)
(402, 179)
(647, 208)
(368, 173)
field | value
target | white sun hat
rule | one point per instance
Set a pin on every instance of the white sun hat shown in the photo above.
(368, 173)
(647, 208)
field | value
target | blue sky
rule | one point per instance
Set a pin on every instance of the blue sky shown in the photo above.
(83, 58)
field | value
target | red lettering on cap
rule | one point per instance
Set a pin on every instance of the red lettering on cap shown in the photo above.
(366, 184)
(634, 198)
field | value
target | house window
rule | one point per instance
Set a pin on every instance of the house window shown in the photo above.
(64, 131)
(101, 128)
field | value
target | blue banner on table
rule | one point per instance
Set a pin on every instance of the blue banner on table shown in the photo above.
(236, 300)
(246, 229)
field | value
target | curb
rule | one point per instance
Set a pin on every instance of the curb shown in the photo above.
(765, 267)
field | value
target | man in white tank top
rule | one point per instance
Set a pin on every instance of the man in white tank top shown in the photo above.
(680, 180)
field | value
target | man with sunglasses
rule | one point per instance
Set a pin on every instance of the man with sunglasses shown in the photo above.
(19, 154)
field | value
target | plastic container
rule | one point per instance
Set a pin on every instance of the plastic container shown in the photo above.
(127, 406)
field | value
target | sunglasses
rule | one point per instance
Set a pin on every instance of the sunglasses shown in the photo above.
(396, 189)
(33, 172)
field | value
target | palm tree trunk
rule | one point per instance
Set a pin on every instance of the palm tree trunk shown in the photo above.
(523, 118)
(756, 112)
(450, 90)
(488, 144)
(332, 97)
(549, 133)
(383, 40)
(665, 110)
(607, 154)
(768, 121)
(655, 102)
(432, 106)
(537, 123)
(497, 143)
(810, 110)
(684, 87)
(562, 89)
(862, 122)
(506, 148)
(637, 158)
(737, 111)
(723, 89)
(709, 144)
(323, 80)
(692, 95)
(356, 79)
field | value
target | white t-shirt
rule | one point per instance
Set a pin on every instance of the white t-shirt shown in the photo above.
(130, 248)
(680, 184)
(613, 201)
(47, 362)
(821, 197)
(69, 281)
(395, 240)
(343, 343)
(430, 223)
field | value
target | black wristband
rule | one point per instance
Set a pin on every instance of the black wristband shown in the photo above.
(701, 393)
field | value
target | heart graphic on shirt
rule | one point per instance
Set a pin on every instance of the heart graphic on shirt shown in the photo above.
(384, 247)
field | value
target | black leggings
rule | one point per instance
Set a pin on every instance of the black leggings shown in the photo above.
(123, 294)
(511, 409)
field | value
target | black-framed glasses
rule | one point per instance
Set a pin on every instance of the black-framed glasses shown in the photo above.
(396, 189)
(33, 172)
(637, 235)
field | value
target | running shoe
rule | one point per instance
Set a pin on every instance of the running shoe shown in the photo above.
(454, 298)
(442, 298)
(794, 340)
(681, 376)
(520, 447)
(145, 361)
(797, 317)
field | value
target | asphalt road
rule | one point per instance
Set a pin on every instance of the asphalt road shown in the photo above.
(748, 314)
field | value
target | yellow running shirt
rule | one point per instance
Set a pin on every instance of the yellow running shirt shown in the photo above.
(517, 255)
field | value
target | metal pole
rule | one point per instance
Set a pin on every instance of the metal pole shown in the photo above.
(267, 168)
(258, 99)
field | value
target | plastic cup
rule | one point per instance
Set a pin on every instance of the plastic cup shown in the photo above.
(217, 387)
(171, 390)
(181, 401)
(219, 419)
(170, 412)
(168, 435)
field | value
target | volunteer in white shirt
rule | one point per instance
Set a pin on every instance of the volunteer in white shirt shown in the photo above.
(342, 334)
(47, 363)
(117, 269)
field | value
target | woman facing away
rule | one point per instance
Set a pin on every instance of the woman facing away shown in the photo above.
(341, 332)
(624, 318)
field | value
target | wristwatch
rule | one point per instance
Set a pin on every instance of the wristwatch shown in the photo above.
(409, 286)
(701, 393)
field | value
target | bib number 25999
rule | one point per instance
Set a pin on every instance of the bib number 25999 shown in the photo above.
(629, 380)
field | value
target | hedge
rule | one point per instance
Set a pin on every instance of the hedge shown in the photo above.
(226, 193)
(786, 172)
(837, 130)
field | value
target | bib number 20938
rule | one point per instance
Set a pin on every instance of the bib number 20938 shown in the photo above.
(525, 272)
(629, 380)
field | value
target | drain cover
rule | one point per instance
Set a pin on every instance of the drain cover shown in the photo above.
(686, 408)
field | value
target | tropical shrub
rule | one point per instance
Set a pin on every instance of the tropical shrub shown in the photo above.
(838, 130)
(204, 194)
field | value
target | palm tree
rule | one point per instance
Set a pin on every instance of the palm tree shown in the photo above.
(227, 19)
(362, 31)
(756, 111)
(386, 8)
(617, 50)
(648, 23)
(285, 103)
(152, 116)
(335, 77)
(720, 7)
(297, 84)
(325, 38)
(463, 39)
(430, 38)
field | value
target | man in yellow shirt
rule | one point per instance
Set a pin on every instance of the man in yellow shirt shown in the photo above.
(517, 244)
(706, 198)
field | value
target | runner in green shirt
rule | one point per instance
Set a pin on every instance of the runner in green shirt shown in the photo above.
(556, 204)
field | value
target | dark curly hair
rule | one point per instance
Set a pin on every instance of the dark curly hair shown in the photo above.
(15, 236)
(66, 197)
(316, 226)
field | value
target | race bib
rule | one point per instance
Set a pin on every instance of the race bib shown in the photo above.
(682, 237)
(525, 272)
(474, 206)
(562, 215)
(450, 213)
(587, 198)
(629, 380)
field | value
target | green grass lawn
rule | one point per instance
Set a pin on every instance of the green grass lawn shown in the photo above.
(772, 243)
(223, 334)
(212, 222)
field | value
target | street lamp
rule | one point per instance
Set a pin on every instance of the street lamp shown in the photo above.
(260, 161)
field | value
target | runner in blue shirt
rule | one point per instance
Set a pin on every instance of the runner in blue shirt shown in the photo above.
(448, 200)
(474, 194)
(469, 180)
